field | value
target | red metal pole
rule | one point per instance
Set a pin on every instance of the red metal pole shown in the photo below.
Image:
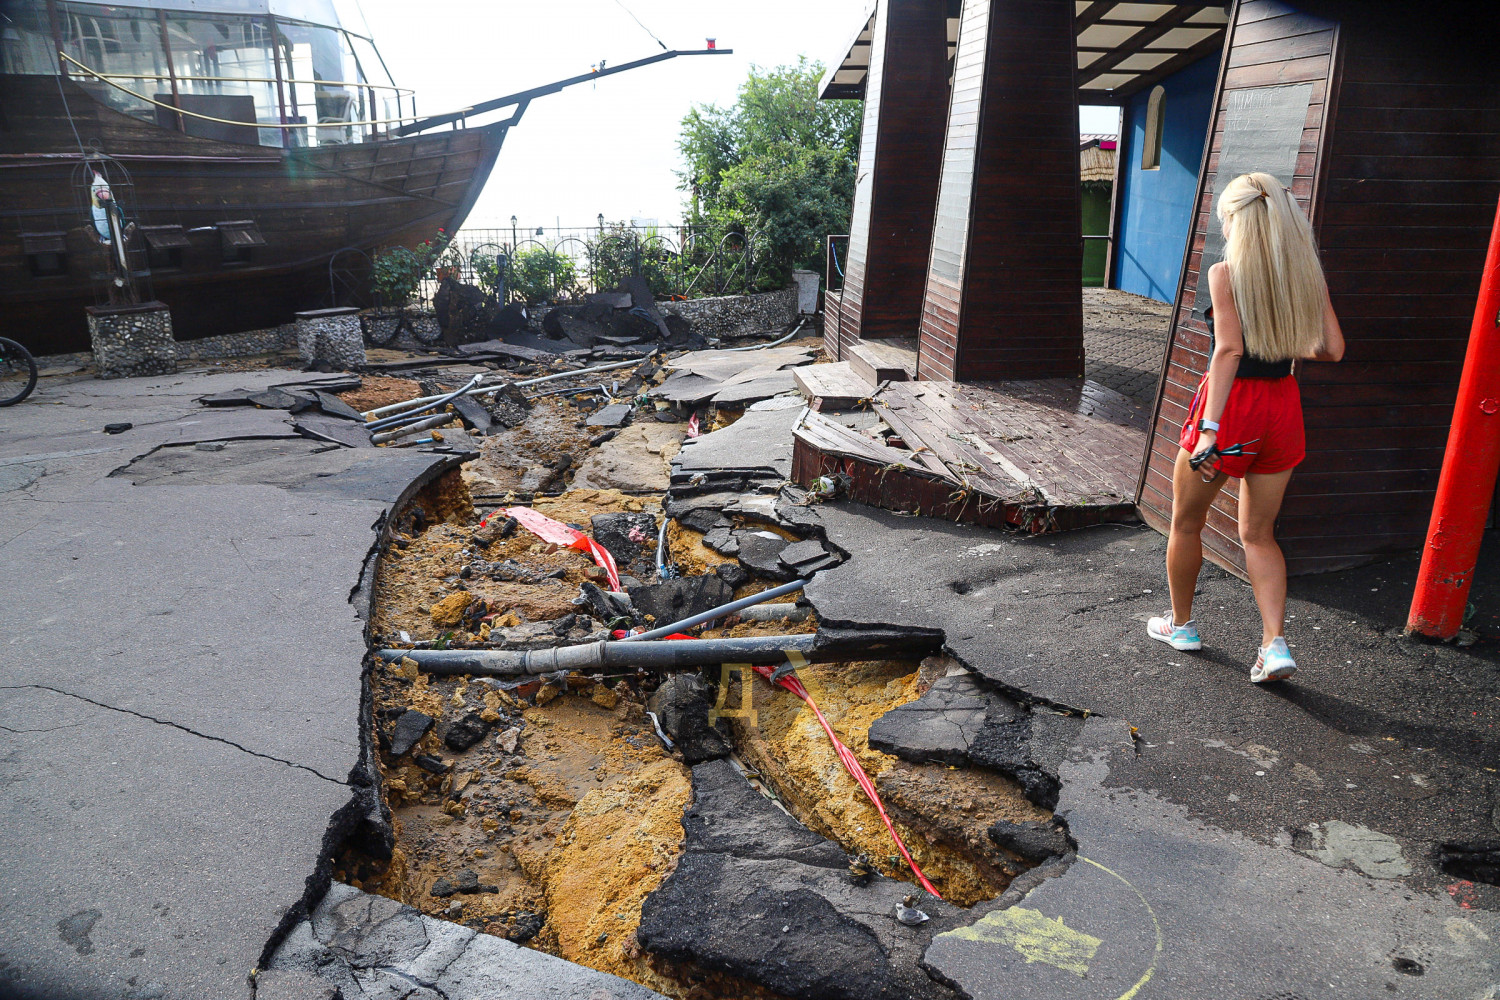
(1470, 466)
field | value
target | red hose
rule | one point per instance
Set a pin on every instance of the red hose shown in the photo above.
(852, 765)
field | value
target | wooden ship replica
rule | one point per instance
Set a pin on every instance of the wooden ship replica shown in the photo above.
(246, 143)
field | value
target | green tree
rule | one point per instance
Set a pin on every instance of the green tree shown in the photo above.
(778, 164)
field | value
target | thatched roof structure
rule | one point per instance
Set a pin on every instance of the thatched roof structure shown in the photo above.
(1096, 158)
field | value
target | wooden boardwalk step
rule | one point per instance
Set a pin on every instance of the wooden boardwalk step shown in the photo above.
(878, 361)
(831, 387)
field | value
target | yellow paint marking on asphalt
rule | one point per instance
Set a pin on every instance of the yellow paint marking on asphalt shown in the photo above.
(1036, 937)
(1160, 938)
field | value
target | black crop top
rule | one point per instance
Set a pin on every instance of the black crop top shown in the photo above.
(1249, 367)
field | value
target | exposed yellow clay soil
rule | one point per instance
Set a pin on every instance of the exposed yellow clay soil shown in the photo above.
(380, 390)
(940, 812)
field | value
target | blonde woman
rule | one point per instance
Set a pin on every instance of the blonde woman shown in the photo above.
(1270, 308)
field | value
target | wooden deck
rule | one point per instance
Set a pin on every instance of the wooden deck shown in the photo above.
(1044, 454)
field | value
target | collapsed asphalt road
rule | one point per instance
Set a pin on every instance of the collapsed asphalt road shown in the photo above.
(182, 712)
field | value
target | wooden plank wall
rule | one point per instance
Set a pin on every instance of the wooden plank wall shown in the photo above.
(1003, 295)
(1411, 175)
(900, 160)
(1270, 44)
(1402, 174)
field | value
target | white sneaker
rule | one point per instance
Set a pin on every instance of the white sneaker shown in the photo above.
(1177, 636)
(1273, 663)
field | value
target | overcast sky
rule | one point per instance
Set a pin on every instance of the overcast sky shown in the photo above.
(609, 147)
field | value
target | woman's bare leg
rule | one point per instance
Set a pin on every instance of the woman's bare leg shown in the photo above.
(1191, 498)
(1260, 503)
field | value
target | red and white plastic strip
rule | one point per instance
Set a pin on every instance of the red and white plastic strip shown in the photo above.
(557, 533)
(852, 765)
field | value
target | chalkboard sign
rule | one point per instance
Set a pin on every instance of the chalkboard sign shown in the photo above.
(1262, 132)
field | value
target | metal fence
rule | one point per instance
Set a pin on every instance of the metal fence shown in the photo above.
(562, 263)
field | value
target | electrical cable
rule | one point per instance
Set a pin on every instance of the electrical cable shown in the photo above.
(643, 27)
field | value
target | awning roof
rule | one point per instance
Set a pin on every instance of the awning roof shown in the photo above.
(1122, 47)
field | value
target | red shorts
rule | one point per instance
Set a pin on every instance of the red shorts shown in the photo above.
(1263, 414)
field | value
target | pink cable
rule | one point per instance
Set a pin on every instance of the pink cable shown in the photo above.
(852, 765)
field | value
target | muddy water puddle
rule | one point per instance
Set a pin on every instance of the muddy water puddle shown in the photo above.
(555, 823)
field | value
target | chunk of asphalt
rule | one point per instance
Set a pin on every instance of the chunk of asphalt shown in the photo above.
(465, 732)
(321, 427)
(733, 574)
(678, 507)
(758, 895)
(681, 597)
(1029, 748)
(509, 406)
(410, 727)
(807, 557)
(703, 519)
(280, 399)
(336, 407)
(613, 415)
(940, 726)
(760, 553)
(1478, 861)
(473, 413)
(681, 705)
(1032, 840)
(430, 764)
(234, 397)
(722, 541)
(119, 428)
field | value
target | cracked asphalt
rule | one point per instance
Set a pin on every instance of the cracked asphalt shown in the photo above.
(1235, 841)
(180, 685)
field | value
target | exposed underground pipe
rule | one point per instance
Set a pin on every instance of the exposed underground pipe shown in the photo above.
(719, 612)
(400, 432)
(761, 347)
(376, 425)
(481, 389)
(598, 655)
(775, 613)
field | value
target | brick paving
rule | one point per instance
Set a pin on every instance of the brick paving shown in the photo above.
(1124, 338)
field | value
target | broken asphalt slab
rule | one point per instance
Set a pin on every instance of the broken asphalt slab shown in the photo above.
(758, 895)
(1217, 812)
(758, 443)
(362, 945)
(182, 688)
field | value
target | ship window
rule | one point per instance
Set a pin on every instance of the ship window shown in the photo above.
(163, 258)
(238, 240)
(164, 247)
(46, 254)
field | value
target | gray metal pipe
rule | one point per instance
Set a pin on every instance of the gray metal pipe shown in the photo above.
(482, 389)
(400, 432)
(436, 404)
(719, 612)
(601, 655)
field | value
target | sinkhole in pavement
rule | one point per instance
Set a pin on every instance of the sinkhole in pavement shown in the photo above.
(548, 810)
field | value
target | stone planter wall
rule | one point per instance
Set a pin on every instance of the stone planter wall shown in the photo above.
(732, 316)
(132, 340)
(239, 345)
(333, 336)
(378, 324)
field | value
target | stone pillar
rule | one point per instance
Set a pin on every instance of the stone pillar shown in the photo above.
(132, 340)
(900, 163)
(1004, 293)
(332, 336)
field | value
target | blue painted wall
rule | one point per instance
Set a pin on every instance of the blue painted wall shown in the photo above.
(1157, 213)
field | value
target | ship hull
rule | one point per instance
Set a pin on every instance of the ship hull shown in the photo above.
(307, 204)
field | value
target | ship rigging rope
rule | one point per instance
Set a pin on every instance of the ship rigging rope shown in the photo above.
(647, 30)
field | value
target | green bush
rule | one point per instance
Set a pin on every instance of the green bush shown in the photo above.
(538, 274)
(620, 252)
(397, 272)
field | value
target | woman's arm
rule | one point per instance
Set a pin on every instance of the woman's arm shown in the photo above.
(1229, 347)
(1333, 335)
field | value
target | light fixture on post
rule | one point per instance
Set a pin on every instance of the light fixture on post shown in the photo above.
(601, 223)
(512, 233)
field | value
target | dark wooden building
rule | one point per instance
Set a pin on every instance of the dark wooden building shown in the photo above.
(1384, 121)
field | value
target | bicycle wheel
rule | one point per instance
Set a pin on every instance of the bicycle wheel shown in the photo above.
(17, 372)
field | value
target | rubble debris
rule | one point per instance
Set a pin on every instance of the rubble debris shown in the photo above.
(802, 558)
(941, 726)
(473, 413)
(282, 399)
(359, 944)
(1032, 840)
(681, 597)
(614, 415)
(759, 895)
(636, 459)
(410, 727)
(758, 446)
(760, 553)
(334, 406)
(1477, 861)
(910, 915)
(681, 706)
(117, 428)
(630, 536)
(464, 732)
(336, 430)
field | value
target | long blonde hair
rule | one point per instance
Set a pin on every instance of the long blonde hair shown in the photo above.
(1279, 288)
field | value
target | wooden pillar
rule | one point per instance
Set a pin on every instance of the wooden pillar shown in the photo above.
(1004, 292)
(900, 160)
